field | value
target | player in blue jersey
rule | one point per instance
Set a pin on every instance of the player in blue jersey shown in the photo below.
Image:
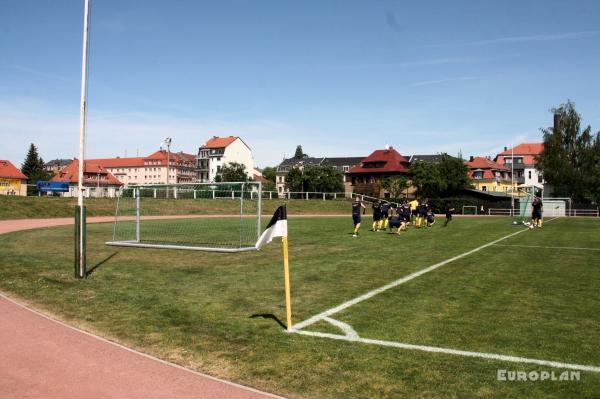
(357, 208)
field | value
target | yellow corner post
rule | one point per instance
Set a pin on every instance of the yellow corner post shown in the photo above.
(286, 272)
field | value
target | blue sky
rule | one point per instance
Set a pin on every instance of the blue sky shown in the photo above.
(341, 78)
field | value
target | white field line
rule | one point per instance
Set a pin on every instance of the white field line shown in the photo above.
(346, 328)
(435, 349)
(396, 283)
(545, 247)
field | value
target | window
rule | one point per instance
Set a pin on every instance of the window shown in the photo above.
(346, 168)
(530, 174)
(483, 188)
(540, 179)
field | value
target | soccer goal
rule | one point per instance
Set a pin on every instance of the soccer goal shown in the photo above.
(469, 210)
(523, 207)
(222, 217)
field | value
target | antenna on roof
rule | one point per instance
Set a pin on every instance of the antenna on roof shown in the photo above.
(387, 147)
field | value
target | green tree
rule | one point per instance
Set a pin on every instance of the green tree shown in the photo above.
(454, 173)
(570, 158)
(269, 173)
(395, 185)
(299, 154)
(315, 179)
(295, 179)
(232, 172)
(33, 166)
(427, 179)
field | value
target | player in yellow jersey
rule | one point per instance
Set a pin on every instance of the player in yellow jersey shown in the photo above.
(414, 205)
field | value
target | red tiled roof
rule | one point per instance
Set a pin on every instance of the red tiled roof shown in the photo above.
(525, 149)
(161, 155)
(10, 171)
(484, 163)
(118, 162)
(219, 142)
(70, 174)
(392, 161)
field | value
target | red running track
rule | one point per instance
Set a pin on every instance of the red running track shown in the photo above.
(44, 358)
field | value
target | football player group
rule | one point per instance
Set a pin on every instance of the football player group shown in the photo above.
(392, 216)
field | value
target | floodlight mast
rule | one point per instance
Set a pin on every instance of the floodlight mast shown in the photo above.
(82, 125)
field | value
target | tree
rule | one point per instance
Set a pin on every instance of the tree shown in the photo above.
(570, 158)
(427, 179)
(269, 173)
(33, 166)
(455, 173)
(315, 179)
(299, 154)
(395, 185)
(232, 172)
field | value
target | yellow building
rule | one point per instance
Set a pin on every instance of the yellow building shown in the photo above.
(12, 181)
(487, 175)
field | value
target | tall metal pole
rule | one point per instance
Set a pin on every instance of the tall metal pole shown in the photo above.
(512, 179)
(82, 126)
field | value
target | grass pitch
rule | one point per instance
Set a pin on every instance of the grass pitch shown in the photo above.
(220, 313)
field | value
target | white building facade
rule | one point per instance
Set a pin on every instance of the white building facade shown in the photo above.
(219, 151)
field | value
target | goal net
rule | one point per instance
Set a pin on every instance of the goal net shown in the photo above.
(469, 210)
(222, 217)
(523, 207)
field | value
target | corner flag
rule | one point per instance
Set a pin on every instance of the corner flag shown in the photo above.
(277, 227)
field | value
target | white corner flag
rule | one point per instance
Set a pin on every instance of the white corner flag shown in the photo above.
(277, 227)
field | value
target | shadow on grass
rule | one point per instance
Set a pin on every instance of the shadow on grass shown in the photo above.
(269, 316)
(97, 265)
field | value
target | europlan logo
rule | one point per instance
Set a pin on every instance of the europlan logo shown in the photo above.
(537, 375)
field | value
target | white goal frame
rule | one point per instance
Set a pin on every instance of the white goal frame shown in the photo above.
(469, 207)
(137, 242)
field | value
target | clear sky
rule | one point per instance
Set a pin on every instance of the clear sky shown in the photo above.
(341, 78)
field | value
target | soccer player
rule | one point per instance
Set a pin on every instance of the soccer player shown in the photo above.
(536, 212)
(357, 206)
(406, 214)
(376, 215)
(430, 217)
(449, 209)
(385, 214)
(395, 220)
(414, 204)
(422, 213)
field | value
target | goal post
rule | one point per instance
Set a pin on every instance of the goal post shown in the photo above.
(221, 217)
(469, 210)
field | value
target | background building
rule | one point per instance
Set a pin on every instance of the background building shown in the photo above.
(56, 165)
(487, 175)
(217, 152)
(97, 180)
(522, 159)
(12, 180)
(366, 177)
(151, 169)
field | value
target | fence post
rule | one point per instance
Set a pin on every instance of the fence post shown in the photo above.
(307, 195)
(270, 194)
(323, 196)
(194, 194)
(175, 192)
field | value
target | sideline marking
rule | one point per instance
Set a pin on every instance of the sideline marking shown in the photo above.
(435, 349)
(396, 283)
(541, 246)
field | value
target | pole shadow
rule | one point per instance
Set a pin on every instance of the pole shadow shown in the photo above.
(269, 316)
(97, 265)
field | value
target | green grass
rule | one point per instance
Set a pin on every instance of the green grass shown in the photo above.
(197, 308)
(51, 207)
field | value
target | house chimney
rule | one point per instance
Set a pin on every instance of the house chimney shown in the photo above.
(556, 123)
(505, 148)
(471, 158)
